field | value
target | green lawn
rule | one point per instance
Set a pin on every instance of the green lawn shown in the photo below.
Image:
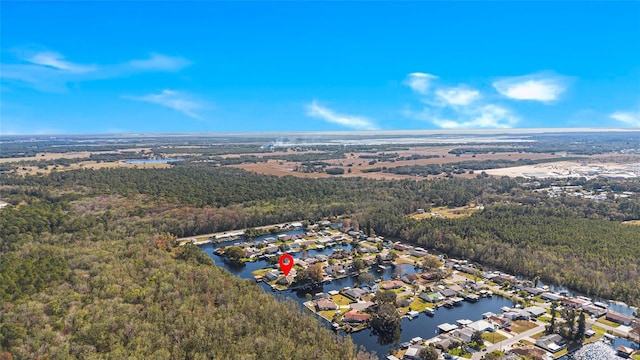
(341, 300)
(493, 337)
(599, 333)
(457, 352)
(602, 320)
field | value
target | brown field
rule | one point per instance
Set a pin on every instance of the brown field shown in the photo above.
(282, 168)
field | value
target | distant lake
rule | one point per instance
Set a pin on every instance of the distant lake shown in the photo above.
(422, 326)
(152, 161)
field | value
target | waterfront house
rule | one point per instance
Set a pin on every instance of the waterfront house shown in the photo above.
(550, 296)
(481, 326)
(271, 250)
(355, 317)
(354, 294)
(326, 304)
(552, 343)
(465, 334)
(619, 318)
(595, 311)
(431, 275)
(410, 279)
(433, 297)
(391, 284)
(624, 351)
(271, 275)
(413, 352)
(499, 321)
(448, 293)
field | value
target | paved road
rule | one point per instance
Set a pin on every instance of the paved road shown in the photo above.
(507, 342)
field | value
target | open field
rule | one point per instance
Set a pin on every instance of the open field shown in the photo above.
(445, 212)
(566, 169)
(357, 165)
(69, 155)
(34, 170)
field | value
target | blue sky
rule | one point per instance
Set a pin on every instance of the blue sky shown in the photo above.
(95, 67)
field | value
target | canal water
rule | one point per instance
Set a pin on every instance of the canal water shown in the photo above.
(600, 350)
(423, 326)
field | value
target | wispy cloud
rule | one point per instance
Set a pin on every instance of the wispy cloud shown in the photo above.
(460, 107)
(173, 100)
(419, 82)
(56, 61)
(350, 121)
(159, 62)
(543, 87)
(50, 71)
(630, 118)
(458, 96)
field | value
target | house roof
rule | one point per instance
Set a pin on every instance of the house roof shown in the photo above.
(355, 316)
(326, 304)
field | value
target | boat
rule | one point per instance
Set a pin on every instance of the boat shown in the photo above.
(457, 301)
(448, 304)
(412, 314)
(429, 311)
(335, 326)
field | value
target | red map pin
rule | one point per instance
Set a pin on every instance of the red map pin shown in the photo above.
(286, 263)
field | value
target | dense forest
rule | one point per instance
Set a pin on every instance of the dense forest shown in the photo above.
(77, 285)
(89, 265)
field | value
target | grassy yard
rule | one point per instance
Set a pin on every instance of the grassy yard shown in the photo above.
(341, 300)
(636, 357)
(561, 353)
(537, 336)
(599, 333)
(493, 337)
(261, 272)
(602, 320)
(457, 352)
(521, 326)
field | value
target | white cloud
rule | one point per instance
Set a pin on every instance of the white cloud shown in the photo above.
(350, 121)
(57, 61)
(159, 62)
(173, 100)
(536, 87)
(50, 72)
(628, 117)
(458, 96)
(489, 116)
(419, 82)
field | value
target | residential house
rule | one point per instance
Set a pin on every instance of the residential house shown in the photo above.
(413, 352)
(271, 275)
(354, 294)
(431, 275)
(410, 279)
(433, 297)
(499, 321)
(448, 293)
(355, 317)
(619, 318)
(550, 296)
(552, 343)
(361, 305)
(481, 326)
(326, 304)
(391, 284)
(465, 334)
(271, 250)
